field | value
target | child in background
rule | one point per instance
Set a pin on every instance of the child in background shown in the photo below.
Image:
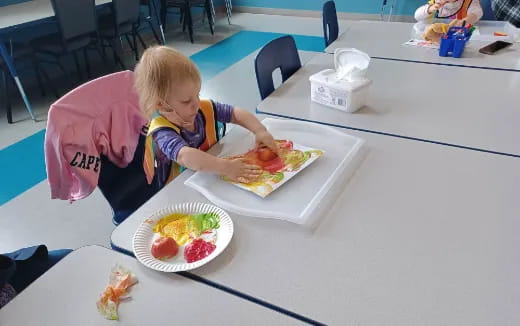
(182, 126)
(468, 11)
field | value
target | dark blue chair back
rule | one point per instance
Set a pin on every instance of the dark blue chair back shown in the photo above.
(279, 53)
(488, 11)
(126, 11)
(75, 18)
(126, 189)
(330, 23)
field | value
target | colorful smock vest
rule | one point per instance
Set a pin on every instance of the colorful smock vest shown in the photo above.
(214, 130)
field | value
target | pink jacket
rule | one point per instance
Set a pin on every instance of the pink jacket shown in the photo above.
(99, 117)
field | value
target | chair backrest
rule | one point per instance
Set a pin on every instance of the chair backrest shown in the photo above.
(126, 11)
(126, 189)
(330, 22)
(488, 11)
(279, 53)
(75, 18)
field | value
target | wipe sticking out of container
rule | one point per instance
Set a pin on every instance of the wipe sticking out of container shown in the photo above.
(345, 87)
(303, 199)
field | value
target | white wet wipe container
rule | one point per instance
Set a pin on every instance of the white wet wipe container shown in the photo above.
(345, 87)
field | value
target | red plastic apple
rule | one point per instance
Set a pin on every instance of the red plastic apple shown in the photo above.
(164, 248)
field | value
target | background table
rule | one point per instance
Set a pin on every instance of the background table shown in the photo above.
(24, 14)
(67, 295)
(422, 234)
(461, 106)
(385, 40)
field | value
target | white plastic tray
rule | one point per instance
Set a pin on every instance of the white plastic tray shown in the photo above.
(304, 198)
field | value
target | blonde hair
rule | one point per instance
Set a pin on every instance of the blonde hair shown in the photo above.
(158, 71)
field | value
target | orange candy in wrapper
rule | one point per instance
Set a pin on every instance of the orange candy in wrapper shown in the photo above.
(120, 281)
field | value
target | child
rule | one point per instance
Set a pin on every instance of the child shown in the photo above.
(469, 11)
(182, 126)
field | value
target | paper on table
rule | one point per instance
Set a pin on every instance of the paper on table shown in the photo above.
(294, 159)
(422, 44)
(120, 281)
(487, 35)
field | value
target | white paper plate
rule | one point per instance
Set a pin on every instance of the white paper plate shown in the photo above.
(144, 237)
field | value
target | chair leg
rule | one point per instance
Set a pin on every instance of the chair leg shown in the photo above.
(134, 38)
(141, 40)
(228, 11)
(133, 46)
(161, 29)
(78, 68)
(87, 63)
(48, 80)
(208, 12)
(212, 8)
(184, 20)
(38, 76)
(117, 49)
(64, 71)
(101, 51)
(190, 23)
(163, 14)
(154, 32)
(7, 98)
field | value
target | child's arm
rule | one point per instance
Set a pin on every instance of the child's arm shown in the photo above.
(236, 170)
(426, 11)
(173, 146)
(247, 120)
(474, 13)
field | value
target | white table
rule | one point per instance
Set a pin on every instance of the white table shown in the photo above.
(67, 295)
(413, 100)
(423, 234)
(385, 40)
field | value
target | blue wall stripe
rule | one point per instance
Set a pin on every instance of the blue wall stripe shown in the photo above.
(4, 3)
(358, 6)
(22, 166)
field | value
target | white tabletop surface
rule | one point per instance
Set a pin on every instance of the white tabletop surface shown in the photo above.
(29, 11)
(383, 39)
(463, 106)
(67, 295)
(423, 234)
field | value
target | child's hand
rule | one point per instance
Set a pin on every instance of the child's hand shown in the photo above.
(239, 171)
(457, 22)
(265, 138)
(433, 8)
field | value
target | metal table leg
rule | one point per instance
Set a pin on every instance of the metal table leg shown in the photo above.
(9, 62)
(156, 13)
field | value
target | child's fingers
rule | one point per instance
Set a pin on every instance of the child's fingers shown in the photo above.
(250, 167)
(271, 144)
(254, 173)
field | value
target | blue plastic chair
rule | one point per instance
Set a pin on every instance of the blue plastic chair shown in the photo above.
(330, 23)
(488, 11)
(279, 53)
(22, 267)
